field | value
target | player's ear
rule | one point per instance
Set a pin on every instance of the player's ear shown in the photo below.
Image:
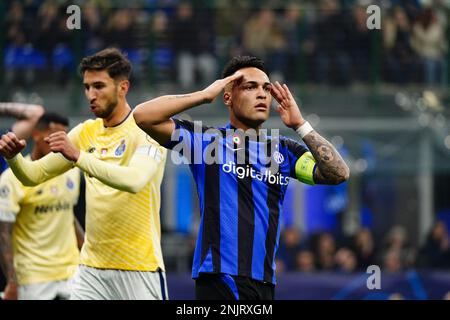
(124, 85)
(227, 98)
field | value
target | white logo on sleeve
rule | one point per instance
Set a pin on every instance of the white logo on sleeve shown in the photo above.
(278, 157)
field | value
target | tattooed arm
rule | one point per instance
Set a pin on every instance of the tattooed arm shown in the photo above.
(154, 116)
(6, 260)
(331, 168)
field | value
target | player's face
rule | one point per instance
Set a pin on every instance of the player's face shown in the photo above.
(250, 98)
(38, 136)
(101, 91)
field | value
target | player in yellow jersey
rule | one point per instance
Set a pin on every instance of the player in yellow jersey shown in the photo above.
(121, 257)
(39, 235)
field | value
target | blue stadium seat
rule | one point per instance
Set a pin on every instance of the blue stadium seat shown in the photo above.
(62, 57)
(163, 58)
(23, 57)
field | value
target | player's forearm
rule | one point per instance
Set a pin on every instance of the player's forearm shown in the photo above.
(32, 173)
(332, 168)
(20, 110)
(6, 252)
(130, 178)
(163, 108)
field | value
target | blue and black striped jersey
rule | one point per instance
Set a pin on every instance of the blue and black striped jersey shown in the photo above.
(241, 183)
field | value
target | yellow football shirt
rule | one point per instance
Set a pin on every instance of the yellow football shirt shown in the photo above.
(122, 228)
(43, 238)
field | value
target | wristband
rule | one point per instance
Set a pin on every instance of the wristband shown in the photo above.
(304, 129)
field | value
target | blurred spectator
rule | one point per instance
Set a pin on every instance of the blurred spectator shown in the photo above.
(429, 42)
(399, 55)
(290, 245)
(48, 31)
(162, 57)
(325, 249)
(192, 41)
(364, 247)
(263, 37)
(299, 46)
(18, 39)
(436, 251)
(332, 44)
(119, 30)
(228, 27)
(397, 241)
(93, 23)
(346, 260)
(360, 44)
(304, 261)
(392, 261)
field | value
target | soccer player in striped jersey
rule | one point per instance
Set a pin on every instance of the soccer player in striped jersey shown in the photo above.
(121, 257)
(27, 116)
(241, 192)
(39, 235)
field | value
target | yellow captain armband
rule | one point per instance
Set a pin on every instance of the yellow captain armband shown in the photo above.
(304, 168)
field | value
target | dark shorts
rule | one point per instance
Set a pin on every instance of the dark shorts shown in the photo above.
(219, 286)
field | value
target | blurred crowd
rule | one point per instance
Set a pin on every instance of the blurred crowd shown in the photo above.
(326, 252)
(187, 42)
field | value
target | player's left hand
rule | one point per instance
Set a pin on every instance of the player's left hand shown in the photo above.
(60, 142)
(287, 107)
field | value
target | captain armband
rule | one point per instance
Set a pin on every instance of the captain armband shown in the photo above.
(304, 168)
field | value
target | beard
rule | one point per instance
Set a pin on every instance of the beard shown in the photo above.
(110, 106)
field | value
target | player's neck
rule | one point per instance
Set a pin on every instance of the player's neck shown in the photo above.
(118, 115)
(238, 124)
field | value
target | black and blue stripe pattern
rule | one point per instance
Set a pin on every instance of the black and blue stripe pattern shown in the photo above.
(240, 203)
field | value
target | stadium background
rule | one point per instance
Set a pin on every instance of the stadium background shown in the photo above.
(381, 96)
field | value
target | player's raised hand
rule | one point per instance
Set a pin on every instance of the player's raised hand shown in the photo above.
(287, 107)
(60, 142)
(10, 145)
(217, 86)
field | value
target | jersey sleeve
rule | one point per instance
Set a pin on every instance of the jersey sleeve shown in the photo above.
(32, 173)
(74, 135)
(145, 162)
(186, 139)
(301, 161)
(11, 194)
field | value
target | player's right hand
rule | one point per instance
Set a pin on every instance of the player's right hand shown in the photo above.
(10, 292)
(217, 86)
(10, 145)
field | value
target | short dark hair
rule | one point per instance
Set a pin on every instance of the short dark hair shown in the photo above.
(240, 62)
(112, 60)
(49, 117)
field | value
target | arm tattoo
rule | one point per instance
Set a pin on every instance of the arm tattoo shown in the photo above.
(6, 252)
(331, 168)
